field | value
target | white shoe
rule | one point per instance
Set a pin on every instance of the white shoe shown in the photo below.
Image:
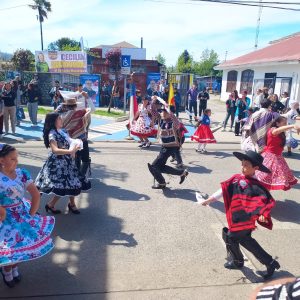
(230, 129)
(223, 129)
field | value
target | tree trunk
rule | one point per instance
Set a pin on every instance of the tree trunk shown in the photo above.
(41, 29)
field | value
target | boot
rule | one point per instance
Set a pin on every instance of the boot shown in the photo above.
(237, 258)
(84, 168)
(271, 269)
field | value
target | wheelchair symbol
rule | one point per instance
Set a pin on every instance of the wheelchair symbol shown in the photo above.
(125, 62)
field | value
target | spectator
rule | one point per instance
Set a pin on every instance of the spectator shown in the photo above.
(203, 96)
(9, 112)
(230, 107)
(33, 96)
(177, 101)
(276, 105)
(55, 94)
(192, 101)
(116, 95)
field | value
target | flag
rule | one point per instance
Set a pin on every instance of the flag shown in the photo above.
(171, 99)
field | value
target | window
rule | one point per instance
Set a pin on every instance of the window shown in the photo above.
(247, 81)
(231, 81)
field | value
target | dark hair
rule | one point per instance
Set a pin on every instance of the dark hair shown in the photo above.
(282, 134)
(80, 84)
(265, 103)
(48, 126)
(236, 94)
(56, 81)
(5, 149)
(206, 111)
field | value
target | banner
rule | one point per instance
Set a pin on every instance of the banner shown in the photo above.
(153, 82)
(60, 61)
(91, 84)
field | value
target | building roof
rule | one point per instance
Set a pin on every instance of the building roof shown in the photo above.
(118, 45)
(284, 50)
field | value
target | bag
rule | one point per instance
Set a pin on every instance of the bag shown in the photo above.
(20, 113)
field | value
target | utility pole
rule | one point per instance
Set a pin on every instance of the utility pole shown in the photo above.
(226, 52)
(258, 24)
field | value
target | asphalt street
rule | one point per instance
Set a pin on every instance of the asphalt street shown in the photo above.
(133, 242)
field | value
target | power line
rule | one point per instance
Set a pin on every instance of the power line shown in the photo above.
(12, 7)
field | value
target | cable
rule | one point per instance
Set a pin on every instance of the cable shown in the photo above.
(12, 7)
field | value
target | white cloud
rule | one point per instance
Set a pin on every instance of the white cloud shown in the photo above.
(168, 28)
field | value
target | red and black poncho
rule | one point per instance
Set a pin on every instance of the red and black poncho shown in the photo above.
(245, 199)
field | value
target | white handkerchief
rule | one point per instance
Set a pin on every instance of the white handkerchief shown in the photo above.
(201, 197)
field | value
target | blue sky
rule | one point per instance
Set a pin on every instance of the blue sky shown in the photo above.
(168, 27)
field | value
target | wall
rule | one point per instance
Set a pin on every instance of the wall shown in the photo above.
(286, 70)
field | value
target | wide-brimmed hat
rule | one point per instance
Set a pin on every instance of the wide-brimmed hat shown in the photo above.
(70, 101)
(255, 158)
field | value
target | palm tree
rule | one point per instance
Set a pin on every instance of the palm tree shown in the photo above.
(43, 7)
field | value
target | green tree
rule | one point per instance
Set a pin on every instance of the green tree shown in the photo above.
(43, 7)
(23, 60)
(160, 58)
(64, 44)
(185, 63)
(209, 59)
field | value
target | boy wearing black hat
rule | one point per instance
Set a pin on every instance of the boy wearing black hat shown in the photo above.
(246, 201)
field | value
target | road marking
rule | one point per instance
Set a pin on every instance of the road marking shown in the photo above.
(106, 129)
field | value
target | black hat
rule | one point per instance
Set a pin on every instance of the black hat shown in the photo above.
(255, 158)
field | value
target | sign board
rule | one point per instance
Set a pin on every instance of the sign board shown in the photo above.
(61, 61)
(125, 64)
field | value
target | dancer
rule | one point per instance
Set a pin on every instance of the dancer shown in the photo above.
(24, 235)
(281, 177)
(246, 201)
(203, 135)
(143, 126)
(59, 175)
(169, 135)
(291, 116)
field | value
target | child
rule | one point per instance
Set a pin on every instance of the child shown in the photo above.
(291, 116)
(203, 135)
(246, 201)
(281, 177)
(59, 175)
(24, 235)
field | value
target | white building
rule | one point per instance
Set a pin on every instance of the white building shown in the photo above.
(276, 66)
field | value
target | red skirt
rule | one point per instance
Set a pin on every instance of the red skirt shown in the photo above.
(281, 177)
(203, 135)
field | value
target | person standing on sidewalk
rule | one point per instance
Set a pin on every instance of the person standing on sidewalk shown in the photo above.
(8, 96)
(230, 107)
(192, 101)
(55, 94)
(240, 113)
(169, 134)
(33, 96)
(203, 97)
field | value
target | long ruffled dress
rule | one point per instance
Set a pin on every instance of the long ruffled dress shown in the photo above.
(22, 237)
(281, 177)
(143, 126)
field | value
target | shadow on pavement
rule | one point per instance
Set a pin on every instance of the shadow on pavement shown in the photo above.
(287, 211)
(79, 262)
(184, 194)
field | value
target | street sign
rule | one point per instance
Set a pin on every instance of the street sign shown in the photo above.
(126, 64)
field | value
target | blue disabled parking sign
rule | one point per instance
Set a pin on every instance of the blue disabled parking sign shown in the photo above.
(126, 61)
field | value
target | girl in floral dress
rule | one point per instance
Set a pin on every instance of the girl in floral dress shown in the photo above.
(281, 177)
(59, 175)
(143, 127)
(24, 235)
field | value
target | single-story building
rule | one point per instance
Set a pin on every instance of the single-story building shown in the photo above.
(276, 66)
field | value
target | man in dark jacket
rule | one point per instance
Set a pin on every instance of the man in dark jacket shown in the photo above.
(203, 96)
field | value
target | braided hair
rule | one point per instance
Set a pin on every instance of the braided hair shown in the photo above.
(5, 149)
(48, 126)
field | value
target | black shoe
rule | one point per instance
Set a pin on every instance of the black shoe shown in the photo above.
(160, 186)
(10, 283)
(17, 279)
(271, 269)
(73, 209)
(232, 266)
(183, 176)
(52, 209)
(289, 153)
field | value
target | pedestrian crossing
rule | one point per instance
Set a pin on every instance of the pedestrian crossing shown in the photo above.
(106, 129)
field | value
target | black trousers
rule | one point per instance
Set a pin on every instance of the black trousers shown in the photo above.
(230, 114)
(159, 165)
(192, 108)
(82, 158)
(238, 125)
(233, 241)
(202, 106)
